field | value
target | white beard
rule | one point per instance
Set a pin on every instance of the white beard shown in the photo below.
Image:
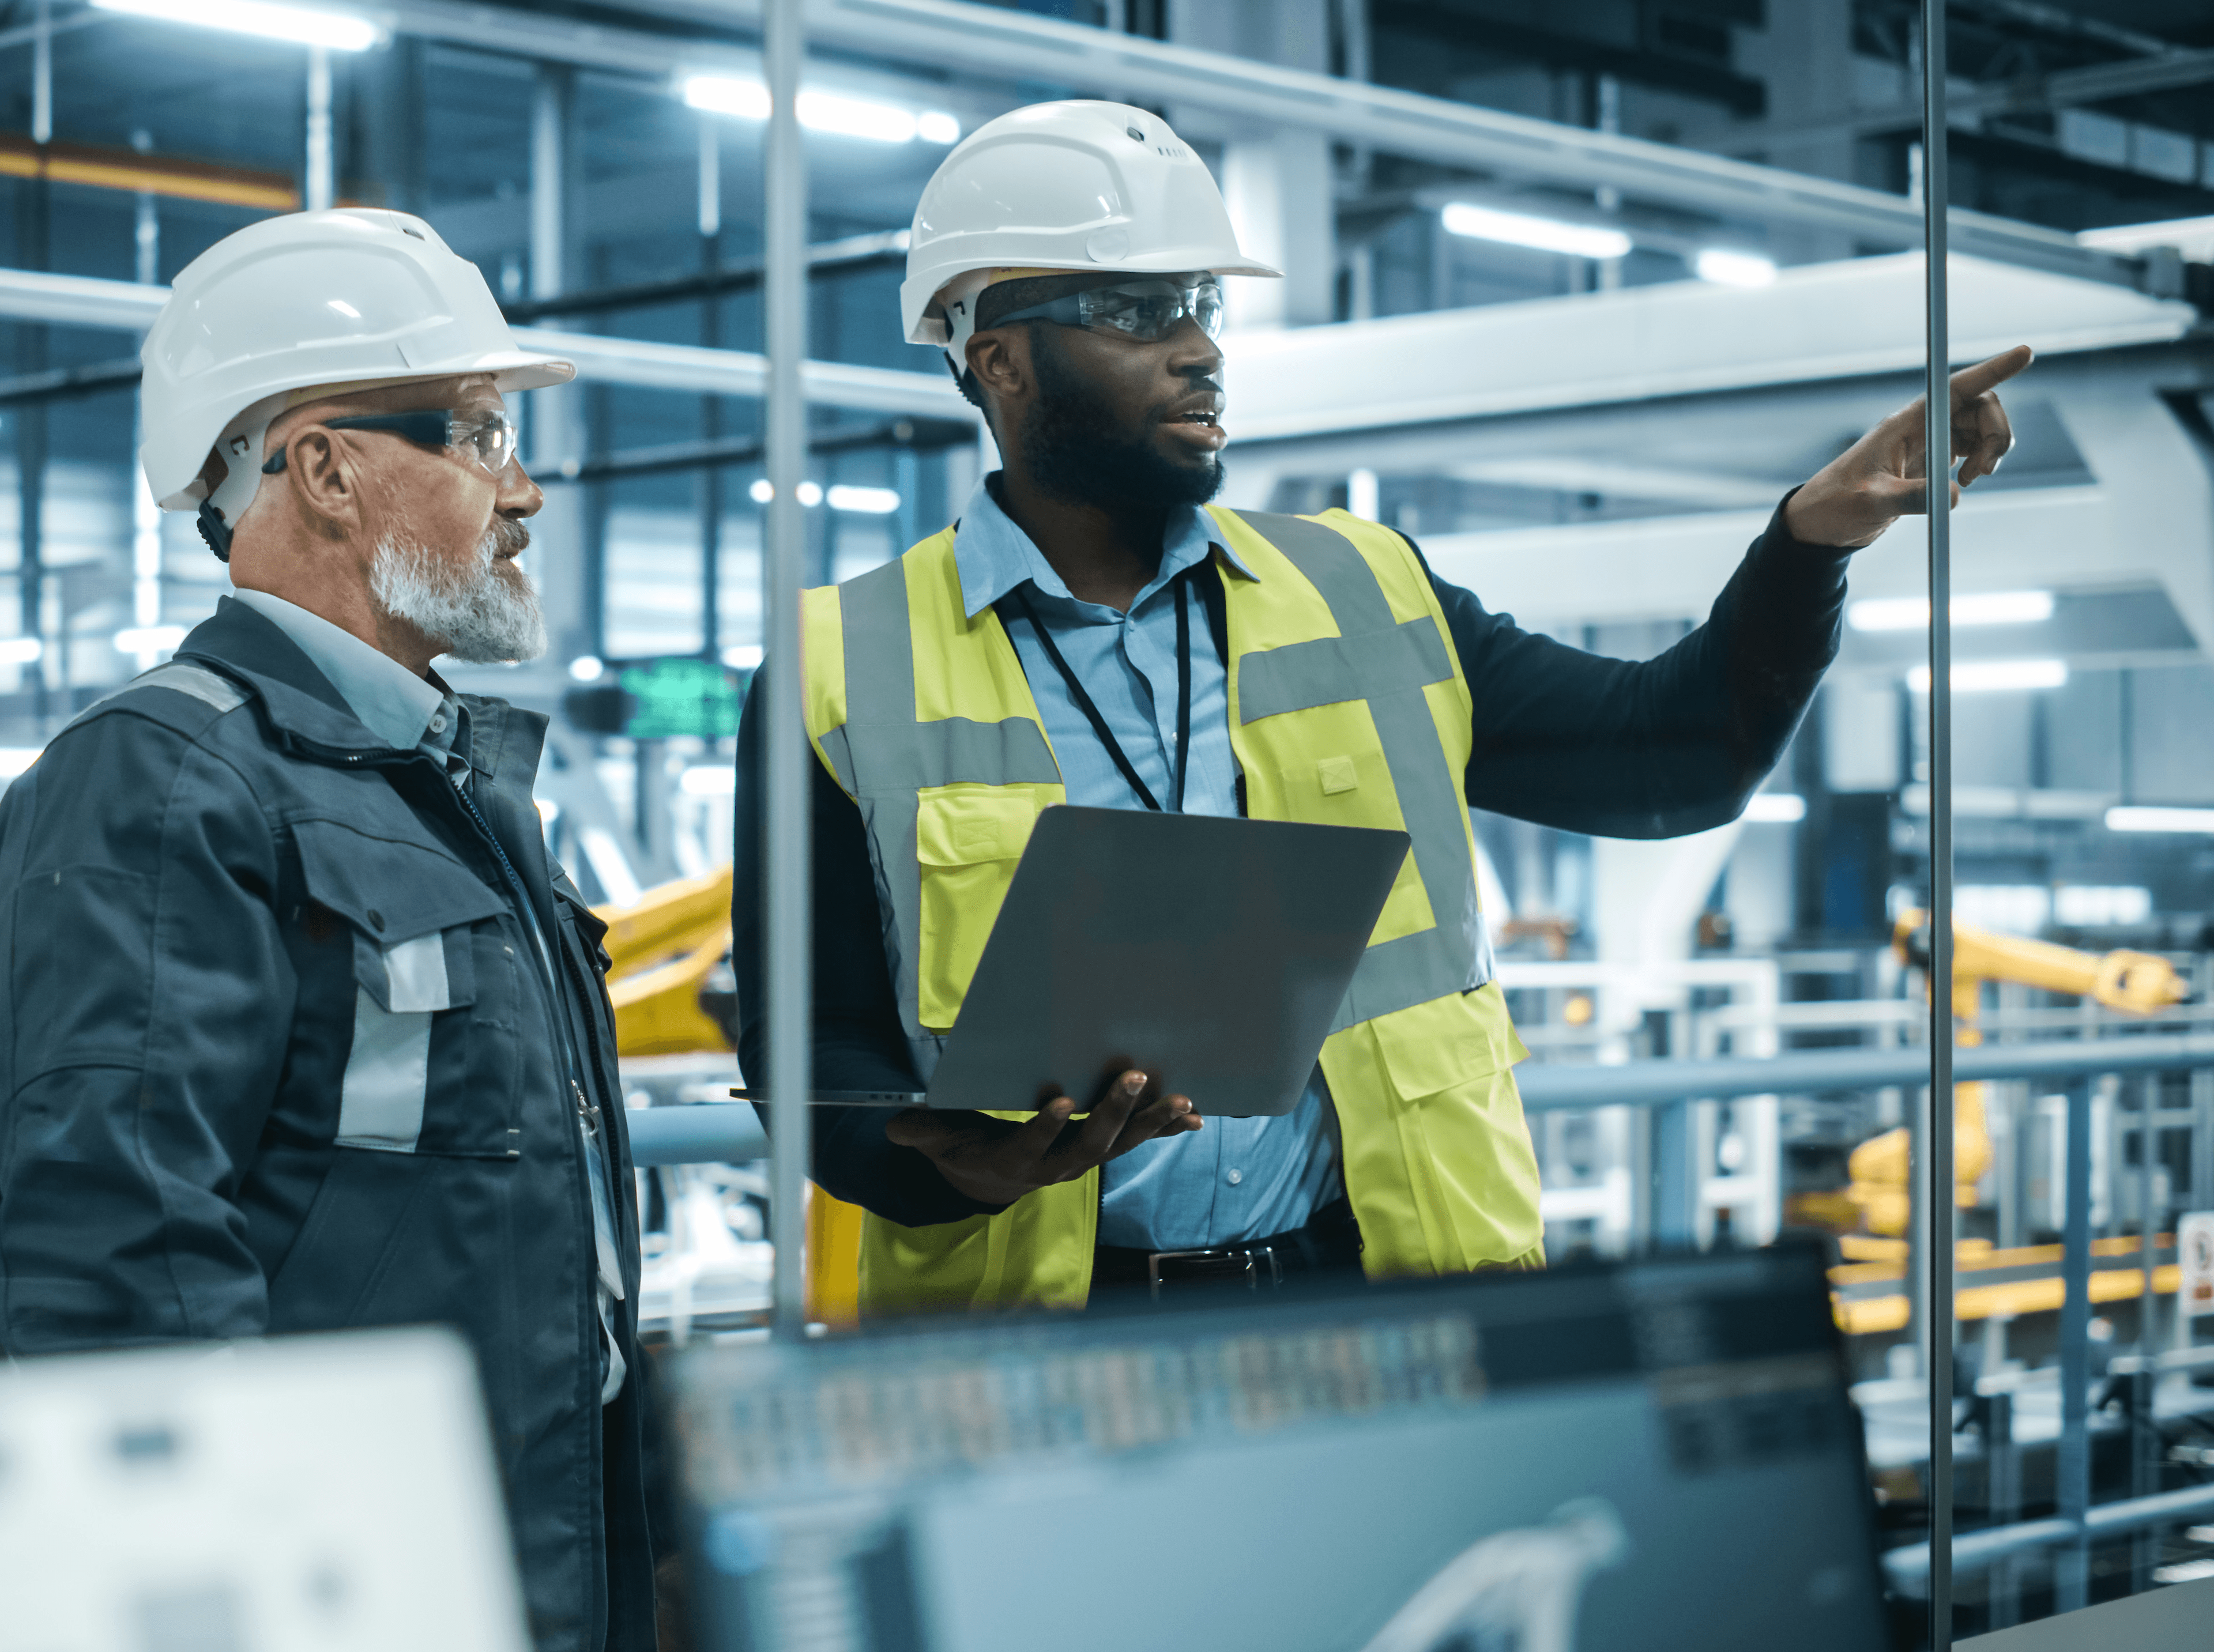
(472, 613)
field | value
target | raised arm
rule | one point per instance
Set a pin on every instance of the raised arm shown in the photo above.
(1657, 747)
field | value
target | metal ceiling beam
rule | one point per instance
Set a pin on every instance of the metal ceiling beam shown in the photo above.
(2067, 89)
(89, 302)
(885, 249)
(1028, 51)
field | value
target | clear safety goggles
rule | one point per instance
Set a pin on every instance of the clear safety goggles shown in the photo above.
(1147, 310)
(486, 439)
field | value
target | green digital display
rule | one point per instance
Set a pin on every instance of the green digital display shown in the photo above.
(680, 697)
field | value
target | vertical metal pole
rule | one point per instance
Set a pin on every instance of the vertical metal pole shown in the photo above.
(42, 74)
(784, 789)
(31, 230)
(1937, 429)
(2002, 1472)
(322, 183)
(2072, 1493)
(711, 406)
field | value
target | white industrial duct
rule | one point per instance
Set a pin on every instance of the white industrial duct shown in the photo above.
(89, 302)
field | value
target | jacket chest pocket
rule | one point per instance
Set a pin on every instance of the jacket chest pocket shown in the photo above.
(434, 1064)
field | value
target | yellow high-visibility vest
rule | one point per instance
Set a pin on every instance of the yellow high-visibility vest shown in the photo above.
(1347, 707)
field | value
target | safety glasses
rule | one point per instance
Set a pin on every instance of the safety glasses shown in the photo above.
(486, 438)
(1145, 310)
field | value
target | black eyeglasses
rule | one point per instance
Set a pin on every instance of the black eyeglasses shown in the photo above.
(487, 437)
(1145, 310)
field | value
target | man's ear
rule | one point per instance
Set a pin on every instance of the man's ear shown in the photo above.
(324, 480)
(1000, 359)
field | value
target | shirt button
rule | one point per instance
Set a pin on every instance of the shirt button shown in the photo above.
(439, 723)
(1236, 1176)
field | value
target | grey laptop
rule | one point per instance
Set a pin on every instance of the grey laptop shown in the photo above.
(1210, 953)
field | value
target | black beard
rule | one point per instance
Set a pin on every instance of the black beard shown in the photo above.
(1075, 456)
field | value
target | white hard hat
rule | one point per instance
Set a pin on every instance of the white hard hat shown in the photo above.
(1079, 186)
(351, 296)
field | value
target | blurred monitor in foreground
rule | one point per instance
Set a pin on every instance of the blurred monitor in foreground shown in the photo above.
(1626, 1460)
(322, 1492)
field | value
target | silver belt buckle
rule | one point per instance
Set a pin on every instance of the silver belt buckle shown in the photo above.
(1255, 1258)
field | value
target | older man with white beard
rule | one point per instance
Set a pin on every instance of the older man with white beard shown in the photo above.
(304, 1029)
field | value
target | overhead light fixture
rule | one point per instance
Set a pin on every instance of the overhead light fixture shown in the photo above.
(863, 502)
(1774, 808)
(1521, 229)
(743, 656)
(2132, 817)
(337, 31)
(150, 639)
(587, 669)
(708, 780)
(1727, 269)
(1984, 608)
(1980, 676)
(14, 760)
(21, 650)
(822, 111)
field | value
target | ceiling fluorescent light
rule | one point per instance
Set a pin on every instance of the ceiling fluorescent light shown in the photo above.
(1728, 269)
(301, 25)
(1774, 808)
(819, 111)
(1520, 229)
(150, 639)
(743, 656)
(1984, 608)
(1979, 676)
(20, 650)
(864, 502)
(2128, 817)
(879, 123)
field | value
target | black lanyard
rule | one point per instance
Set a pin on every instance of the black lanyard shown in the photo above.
(1180, 592)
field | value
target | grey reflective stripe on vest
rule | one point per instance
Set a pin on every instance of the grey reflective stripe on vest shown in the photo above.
(884, 759)
(1387, 663)
(388, 1073)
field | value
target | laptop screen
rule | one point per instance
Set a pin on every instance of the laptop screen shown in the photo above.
(1649, 1457)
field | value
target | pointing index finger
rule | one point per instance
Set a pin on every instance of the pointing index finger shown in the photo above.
(1973, 381)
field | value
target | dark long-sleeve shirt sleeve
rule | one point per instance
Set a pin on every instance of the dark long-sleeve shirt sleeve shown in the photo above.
(1654, 748)
(1659, 747)
(859, 1043)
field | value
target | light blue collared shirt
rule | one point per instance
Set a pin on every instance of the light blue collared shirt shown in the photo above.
(1238, 1179)
(407, 712)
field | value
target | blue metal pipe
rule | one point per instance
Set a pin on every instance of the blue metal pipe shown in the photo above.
(713, 1132)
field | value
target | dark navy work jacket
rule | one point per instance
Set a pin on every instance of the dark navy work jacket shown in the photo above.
(204, 883)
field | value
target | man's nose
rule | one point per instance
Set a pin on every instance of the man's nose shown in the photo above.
(1192, 354)
(519, 497)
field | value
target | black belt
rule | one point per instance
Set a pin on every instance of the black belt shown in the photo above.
(1330, 1243)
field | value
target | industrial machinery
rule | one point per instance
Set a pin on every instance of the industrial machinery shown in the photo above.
(2136, 983)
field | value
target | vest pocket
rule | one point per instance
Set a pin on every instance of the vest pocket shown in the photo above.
(968, 839)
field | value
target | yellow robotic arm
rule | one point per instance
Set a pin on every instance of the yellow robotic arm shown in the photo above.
(661, 950)
(2136, 983)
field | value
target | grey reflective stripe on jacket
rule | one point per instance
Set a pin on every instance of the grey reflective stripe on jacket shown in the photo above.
(1388, 663)
(388, 1071)
(885, 758)
(179, 677)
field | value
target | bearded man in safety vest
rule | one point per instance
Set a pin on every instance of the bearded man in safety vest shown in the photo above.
(1065, 257)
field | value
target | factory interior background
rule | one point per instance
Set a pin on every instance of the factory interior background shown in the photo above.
(1572, 301)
